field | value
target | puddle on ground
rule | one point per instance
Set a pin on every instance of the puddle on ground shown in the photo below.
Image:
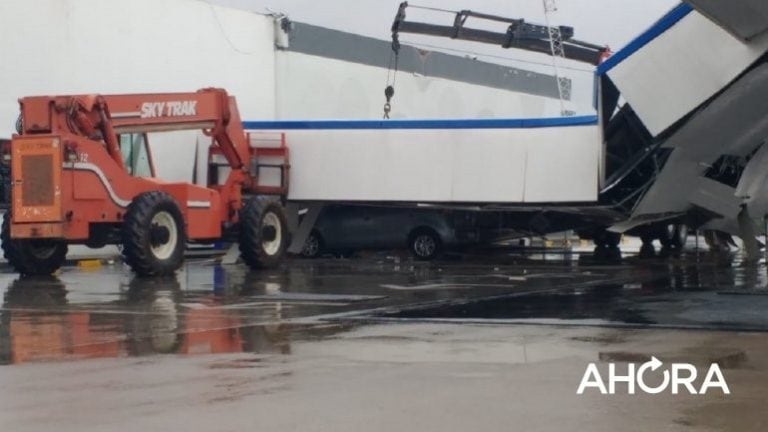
(149, 317)
(682, 298)
(212, 309)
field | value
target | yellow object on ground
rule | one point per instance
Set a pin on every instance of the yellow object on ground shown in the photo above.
(89, 264)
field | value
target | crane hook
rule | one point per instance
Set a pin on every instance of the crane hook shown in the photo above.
(389, 92)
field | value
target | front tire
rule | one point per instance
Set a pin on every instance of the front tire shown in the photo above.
(153, 235)
(263, 233)
(425, 245)
(32, 257)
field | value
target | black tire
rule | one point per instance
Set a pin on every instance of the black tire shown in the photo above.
(32, 257)
(313, 247)
(153, 235)
(425, 244)
(264, 235)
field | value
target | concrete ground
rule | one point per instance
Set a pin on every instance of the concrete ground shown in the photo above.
(483, 342)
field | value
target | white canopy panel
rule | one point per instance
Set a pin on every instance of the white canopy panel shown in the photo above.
(470, 161)
(679, 64)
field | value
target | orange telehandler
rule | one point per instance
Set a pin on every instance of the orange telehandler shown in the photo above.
(82, 173)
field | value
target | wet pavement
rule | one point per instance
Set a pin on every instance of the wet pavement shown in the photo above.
(489, 342)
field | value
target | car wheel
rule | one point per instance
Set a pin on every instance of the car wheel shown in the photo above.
(425, 244)
(313, 247)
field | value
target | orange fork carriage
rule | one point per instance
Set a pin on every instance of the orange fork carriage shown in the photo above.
(82, 172)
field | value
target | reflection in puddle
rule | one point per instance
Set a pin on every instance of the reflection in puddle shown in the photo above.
(211, 309)
(38, 324)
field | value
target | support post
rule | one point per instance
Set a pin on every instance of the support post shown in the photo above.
(748, 235)
(301, 223)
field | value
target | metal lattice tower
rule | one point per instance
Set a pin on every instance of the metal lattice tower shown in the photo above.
(558, 52)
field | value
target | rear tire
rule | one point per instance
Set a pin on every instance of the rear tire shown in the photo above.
(263, 233)
(153, 235)
(313, 247)
(425, 244)
(32, 257)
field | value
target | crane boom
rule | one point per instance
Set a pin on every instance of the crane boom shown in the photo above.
(520, 34)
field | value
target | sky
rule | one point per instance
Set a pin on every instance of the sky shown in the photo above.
(603, 22)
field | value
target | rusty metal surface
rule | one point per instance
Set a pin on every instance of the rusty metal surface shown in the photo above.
(38, 187)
